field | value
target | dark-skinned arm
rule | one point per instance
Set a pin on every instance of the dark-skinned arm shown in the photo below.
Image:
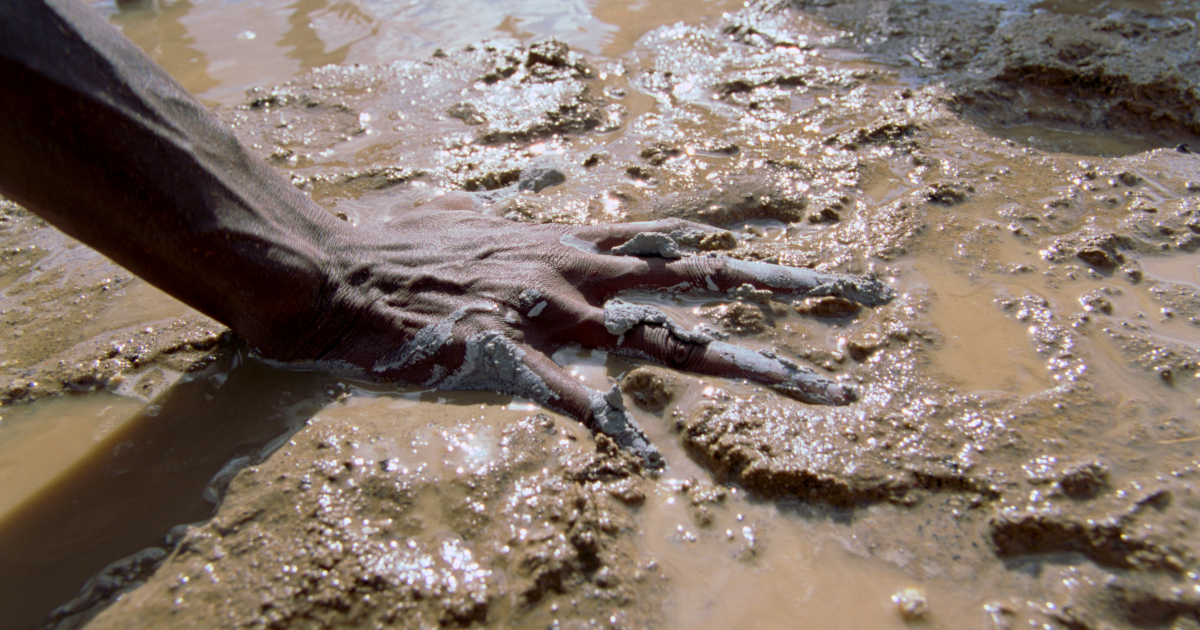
(98, 140)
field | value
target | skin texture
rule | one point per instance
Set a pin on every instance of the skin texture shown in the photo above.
(103, 144)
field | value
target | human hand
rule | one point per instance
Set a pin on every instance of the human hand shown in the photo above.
(442, 296)
(447, 297)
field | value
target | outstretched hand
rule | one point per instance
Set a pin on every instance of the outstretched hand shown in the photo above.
(447, 297)
(442, 296)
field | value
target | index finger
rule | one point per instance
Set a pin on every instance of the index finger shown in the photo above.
(866, 290)
(720, 274)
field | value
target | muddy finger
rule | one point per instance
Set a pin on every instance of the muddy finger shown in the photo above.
(866, 290)
(720, 274)
(645, 332)
(602, 412)
(667, 238)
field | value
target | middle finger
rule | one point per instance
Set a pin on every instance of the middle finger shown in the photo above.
(645, 332)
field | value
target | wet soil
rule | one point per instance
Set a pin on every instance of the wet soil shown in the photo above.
(1127, 70)
(1024, 450)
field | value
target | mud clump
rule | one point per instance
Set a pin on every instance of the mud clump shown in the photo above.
(504, 112)
(702, 499)
(1102, 251)
(883, 132)
(475, 107)
(912, 605)
(658, 153)
(383, 543)
(1084, 481)
(706, 241)
(139, 362)
(740, 318)
(1105, 543)
(60, 299)
(1097, 301)
(832, 307)
(1167, 359)
(1127, 70)
(1128, 528)
(357, 180)
(651, 389)
(737, 200)
(948, 194)
(777, 449)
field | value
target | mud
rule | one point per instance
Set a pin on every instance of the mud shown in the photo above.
(620, 317)
(649, 244)
(1115, 68)
(649, 388)
(1023, 446)
(62, 334)
(613, 422)
(340, 528)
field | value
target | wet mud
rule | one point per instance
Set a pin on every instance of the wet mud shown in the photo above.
(67, 328)
(1023, 446)
(1122, 69)
(361, 520)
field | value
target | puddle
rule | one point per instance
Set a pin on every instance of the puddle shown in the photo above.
(99, 478)
(1182, 268)
(973, 326)
(1181, 8)
(756, 563)
(1045, 138)
(217, 50)
(40, 442)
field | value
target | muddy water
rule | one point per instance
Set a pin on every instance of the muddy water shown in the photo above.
(1046, 320)
(217, 51)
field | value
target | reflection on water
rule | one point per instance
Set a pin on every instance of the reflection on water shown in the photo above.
(342, 25)
(1181, 268)
(41, 440)
(972, 326)
(157, 27)
(1111, 144)
(141, 478)
(217, 49)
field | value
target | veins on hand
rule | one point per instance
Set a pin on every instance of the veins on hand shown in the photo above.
(447, 297)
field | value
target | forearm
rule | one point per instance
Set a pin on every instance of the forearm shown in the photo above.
(98, 140)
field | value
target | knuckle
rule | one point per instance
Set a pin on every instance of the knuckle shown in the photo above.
(561, 261)
(702, 269)
(679, 354)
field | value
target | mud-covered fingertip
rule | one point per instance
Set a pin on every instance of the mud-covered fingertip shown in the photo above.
(806, 387)
(869, 290)
(633, 441)
(652, 460)
(843, 394)
(878, 292)
(610, 418)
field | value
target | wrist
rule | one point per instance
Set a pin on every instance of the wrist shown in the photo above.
(300, 313)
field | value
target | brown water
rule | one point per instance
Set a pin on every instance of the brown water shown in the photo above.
(88, 479)
(217, 50)
(97, 478)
